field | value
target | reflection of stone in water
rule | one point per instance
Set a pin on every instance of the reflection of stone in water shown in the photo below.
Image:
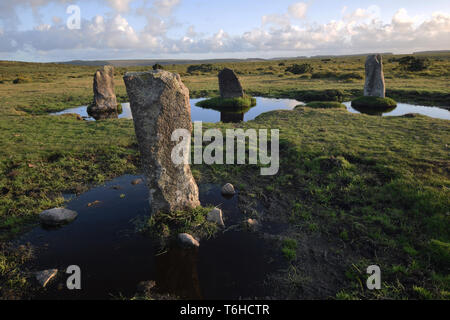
(105, 115)
(176, 273)
(231, 117)
(374, 111)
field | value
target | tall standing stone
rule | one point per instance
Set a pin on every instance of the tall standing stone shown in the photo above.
(375, 85)
(160, 104)
(229, 84)
(105, 102)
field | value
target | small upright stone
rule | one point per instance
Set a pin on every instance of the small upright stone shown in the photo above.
(188, 241)
(160, 105)
(375, 85)
(229, 84)
(105, 102)
(215, 215)
(57, 216)
(228, 190)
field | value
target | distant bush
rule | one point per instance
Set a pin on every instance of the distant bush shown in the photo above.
(410, 63)
(200, 68)
(324, 75)
(282, 64)
(157, 66)
(21, 79)
(300, 68)
(325, 95)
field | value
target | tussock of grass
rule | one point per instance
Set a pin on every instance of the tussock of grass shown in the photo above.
(325, 105)
(230, 103)
(374, 102)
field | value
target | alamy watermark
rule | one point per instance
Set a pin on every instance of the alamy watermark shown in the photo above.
(235, 153)
(74, 20)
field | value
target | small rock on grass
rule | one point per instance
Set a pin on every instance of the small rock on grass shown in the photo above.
(215, 215)
(57, 216)
(188, 241)
(228, 190)
(45, 276)
(145, 287)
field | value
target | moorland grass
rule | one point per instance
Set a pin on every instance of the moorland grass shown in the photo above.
(374, 103)
(325, 105)
(360, 181)
(238, 103)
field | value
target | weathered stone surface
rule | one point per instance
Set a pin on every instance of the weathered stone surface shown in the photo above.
(105, 102)
(375, 85)
(44, 277)
(145, 287)
(188, 241)
(229, 84)
(252, 224)
(57, 216)
(215, 215)
(136, 181)
(160, 104)
(228, 190)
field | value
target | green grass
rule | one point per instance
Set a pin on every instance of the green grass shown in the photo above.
(325, 105)
(377, 186)
(238, 103)
(374, 103)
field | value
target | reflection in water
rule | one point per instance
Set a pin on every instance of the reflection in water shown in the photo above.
(104, 115)
(231, 117)
(176, 271)
(374, 111)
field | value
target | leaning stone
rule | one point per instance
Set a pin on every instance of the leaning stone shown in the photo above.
(228, 190)
(229, 84)
(375, 85)
(188, 240)
(105, 102)
(215, 215)
(160, 105)
(45, 276)
(57, 216)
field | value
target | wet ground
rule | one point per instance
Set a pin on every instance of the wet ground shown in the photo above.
(114, 257)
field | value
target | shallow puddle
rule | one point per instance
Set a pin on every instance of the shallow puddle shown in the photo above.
(114, 258)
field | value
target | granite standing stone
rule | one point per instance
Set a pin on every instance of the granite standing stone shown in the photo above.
(229, 84)
(375, 85)
(105, 102)
(160, 104)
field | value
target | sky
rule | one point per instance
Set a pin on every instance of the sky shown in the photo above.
(38, 30)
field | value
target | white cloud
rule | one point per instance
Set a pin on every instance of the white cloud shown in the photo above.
(120, 5)
(166, 7)
(298, 10)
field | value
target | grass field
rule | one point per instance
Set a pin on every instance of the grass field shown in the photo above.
(364, 189)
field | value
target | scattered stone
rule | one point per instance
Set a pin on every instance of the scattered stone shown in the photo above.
(105, 102)
(215, 215)
(95, 203)
(57, 216)
(229, 84)
(228, 190)
(144, 287)
(44, 277)
(160, 105)
(375, 85)
(188, 240)
(252, 224)
(136, 182)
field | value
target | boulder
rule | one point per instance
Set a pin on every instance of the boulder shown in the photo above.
(187, 240)
(45, 276)
(228, 190)
(252, 224)
(57, 216)
(375, 85)
(215, 215)
(105, 102)
(159, 103)
(136, 181)
(229, 84)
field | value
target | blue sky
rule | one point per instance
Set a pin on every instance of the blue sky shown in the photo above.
(35, 29)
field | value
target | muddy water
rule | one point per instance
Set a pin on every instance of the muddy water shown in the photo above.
(114, 258)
